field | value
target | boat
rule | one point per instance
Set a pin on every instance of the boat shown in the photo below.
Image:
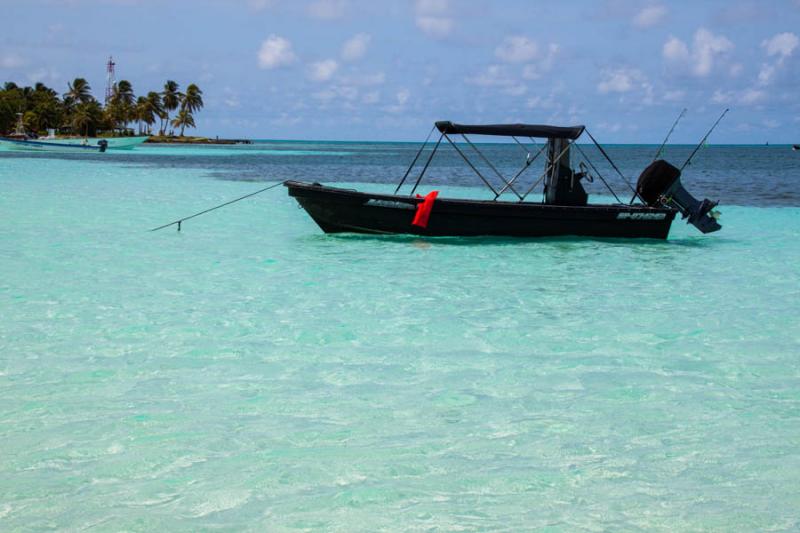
(112, 143)
(21, 141)
(796, 147)
(35, 145)
(563, 211)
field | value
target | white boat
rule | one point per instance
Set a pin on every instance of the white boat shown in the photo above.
(113, 143)
(36, 145)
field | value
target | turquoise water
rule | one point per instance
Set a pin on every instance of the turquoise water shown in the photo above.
(251, 373)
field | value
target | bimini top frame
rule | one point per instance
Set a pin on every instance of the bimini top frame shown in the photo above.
(531, 131)
(513, 130)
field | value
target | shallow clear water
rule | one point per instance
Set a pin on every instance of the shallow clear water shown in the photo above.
(251, 373)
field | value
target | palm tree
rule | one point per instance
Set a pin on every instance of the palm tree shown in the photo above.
(140, 111)
(151, 108)
(83, 117)
(183, 119)
(170, 99)
(79, 91)
(122, 104)
(123, 91)
(193, 99)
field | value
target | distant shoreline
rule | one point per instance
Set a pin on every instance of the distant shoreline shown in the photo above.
(166, 139)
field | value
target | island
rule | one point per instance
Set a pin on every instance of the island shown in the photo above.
(163, 115)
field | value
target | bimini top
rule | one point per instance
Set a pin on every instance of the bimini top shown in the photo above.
(513, 130)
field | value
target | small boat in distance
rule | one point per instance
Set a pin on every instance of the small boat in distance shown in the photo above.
(35, 145)
(796, 147)
(563, 211)
(112, 143)
(21, 141)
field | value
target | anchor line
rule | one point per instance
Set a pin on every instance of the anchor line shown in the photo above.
(179, 221)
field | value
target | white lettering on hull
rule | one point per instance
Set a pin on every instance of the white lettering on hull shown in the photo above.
(389, 203)
(641, 216)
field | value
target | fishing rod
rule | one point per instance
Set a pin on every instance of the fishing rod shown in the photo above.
(703, 140)
(661, 148)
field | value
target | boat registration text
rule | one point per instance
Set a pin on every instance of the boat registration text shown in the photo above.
(389, 203)
(641, 216)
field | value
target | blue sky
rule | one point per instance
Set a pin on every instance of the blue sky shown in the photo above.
(385, 70)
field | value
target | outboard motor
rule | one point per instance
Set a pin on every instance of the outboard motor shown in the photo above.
(660, 186)
(103, 144)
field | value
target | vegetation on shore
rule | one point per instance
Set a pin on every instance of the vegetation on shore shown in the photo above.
(172, 139)
(77, 112)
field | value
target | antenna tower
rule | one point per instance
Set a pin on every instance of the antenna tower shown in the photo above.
(110, 81)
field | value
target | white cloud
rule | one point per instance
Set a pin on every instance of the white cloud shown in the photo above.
(436, 7)
(624, 80)
(537, 102)
(781, 45)
(674, 96)
(517, 49)
(752, 96)
(49, 75)
(341, 92)
(531, 72)
(746, 97)
(355, 47)
(327, 9)
(494, 76)
(402, 96)
(534, 71)
(259, 5)
(516, 90)
(436, 27)
(706, 47)
(649, 16)
(325, 95)
(700, 59)
(675, 50)
(722, 97)
(323, 70)
(766, 74)
(230, 98)
(11, 60)
(275, 52)
(401, 99)
(432, 17)
(620, 80)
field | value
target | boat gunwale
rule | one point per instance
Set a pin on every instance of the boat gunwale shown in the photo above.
(327, 189)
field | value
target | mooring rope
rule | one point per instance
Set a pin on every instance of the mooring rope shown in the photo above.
(178, 222)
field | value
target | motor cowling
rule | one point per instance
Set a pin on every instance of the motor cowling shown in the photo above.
(103, 144)
(660, 185)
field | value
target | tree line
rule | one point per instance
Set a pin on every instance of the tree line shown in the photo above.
(78, 112)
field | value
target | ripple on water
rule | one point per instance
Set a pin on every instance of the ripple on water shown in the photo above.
(252, 373)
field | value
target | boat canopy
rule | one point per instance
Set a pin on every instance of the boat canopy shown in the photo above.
(513, 130)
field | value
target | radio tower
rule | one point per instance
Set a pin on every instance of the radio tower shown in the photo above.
(110, 81)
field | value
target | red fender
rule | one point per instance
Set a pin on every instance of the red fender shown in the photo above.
(424, 210)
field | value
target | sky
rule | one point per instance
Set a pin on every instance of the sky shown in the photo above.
(387, 69)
